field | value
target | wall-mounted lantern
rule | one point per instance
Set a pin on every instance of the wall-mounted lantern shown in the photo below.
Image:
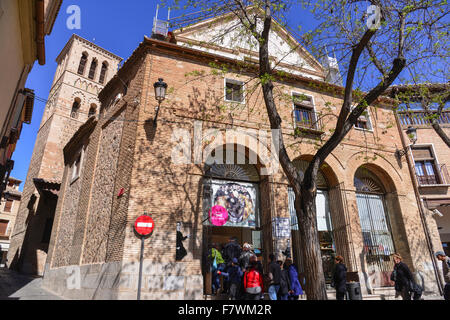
(160, 94)
(412, 135)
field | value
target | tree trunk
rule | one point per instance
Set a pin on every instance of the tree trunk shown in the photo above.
(310, 248)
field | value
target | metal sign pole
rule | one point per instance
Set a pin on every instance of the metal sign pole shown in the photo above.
(141, 262)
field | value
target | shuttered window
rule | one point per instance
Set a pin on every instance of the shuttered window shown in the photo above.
(8, 205)
(3, 227)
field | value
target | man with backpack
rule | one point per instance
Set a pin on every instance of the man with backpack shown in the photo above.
(440, 255)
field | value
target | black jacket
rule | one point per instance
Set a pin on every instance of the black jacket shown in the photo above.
(285, 282)
(275, 269)
(340, 277)
(230, 251)
(402, 276)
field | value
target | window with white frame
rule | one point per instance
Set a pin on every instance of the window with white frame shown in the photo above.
(234, 91)
(76, 166)
(364, 122)
(426, 165)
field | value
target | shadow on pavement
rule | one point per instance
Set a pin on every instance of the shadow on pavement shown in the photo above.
(11, 282)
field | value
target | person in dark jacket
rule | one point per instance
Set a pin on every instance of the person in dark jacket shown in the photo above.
(340, 278)
(234, 276)
(402, 277)
(274, 276)
(285, 283)
(230, 251)
(296, 288)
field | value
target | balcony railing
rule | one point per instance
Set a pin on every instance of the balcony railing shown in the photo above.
(418, 117)
(442, 178)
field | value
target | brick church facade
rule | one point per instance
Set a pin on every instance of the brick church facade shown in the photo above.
(99, 172)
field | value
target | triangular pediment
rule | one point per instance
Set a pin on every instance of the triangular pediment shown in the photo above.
(226, 36)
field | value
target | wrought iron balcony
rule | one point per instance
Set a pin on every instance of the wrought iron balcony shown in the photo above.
(419, 117)
(440, 178)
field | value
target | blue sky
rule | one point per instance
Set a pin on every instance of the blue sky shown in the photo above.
(118, 26)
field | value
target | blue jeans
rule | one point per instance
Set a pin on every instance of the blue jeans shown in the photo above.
(284, 297)
(273, 291)
(216, 277)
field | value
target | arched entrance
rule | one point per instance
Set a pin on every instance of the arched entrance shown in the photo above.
(332, 221)
(236, 187)
(375, 225)
(324, 222)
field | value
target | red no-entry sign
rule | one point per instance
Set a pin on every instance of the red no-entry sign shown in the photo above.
(144, 225)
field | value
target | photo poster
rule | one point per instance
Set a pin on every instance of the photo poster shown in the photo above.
(281, 228)
(241, 201)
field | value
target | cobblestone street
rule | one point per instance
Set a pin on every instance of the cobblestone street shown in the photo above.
(15, 286)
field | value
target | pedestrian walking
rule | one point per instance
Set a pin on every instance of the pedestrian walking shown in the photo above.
(285, 283)
(441, 256)
(402, 277)
(234, 275)
(230, 251)
(244, 258)
(340, 278)
(296, 288)
(253, 283)
(218, 265)
(274, 277)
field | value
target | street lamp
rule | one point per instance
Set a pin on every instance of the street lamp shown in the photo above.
(160, 94)
(412, 135)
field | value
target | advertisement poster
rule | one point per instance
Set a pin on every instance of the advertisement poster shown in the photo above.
(281, 228)
(240, 201)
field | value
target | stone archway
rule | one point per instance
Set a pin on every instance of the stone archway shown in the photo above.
(223, 184)
(381, 224)
(332, 220)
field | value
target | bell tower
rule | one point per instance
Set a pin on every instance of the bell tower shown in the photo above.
(83, 70)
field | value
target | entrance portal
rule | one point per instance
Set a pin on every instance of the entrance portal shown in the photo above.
(324, 224)
(231, 190)
(375, 225)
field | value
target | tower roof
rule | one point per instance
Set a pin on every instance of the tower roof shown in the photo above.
(89, 43)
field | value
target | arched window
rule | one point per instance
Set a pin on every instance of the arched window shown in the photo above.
(103, 72)
(92, 110)
(93, 69)
(82, 65)
(75, 108)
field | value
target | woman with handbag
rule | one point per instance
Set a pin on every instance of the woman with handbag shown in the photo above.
(253, 282)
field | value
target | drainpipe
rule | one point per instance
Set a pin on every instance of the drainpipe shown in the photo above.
(40, 42)
(419, 203)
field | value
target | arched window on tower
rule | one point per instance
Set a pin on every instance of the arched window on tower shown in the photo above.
(75, 108)
(103, 72)
(92, 110)
(93, 69)
(82, 65)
